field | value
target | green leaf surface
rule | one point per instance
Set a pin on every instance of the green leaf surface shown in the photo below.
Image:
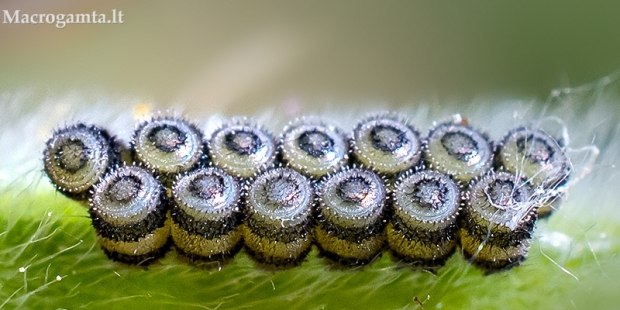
(51, 259)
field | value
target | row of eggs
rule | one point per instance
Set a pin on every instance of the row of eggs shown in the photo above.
(422, 195)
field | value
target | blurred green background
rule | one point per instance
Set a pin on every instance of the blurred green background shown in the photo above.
(495, 61)
(241, 56)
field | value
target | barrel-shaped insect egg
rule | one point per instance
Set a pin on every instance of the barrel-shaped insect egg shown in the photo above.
(539, 158)
(278, 225)
(313, 148)
(128, 211)
(498, 221)
(423, 227)
(351, 219)
(458, 150)
(242, 148)
(77, 157)
(167, 145)
(386, 143)
(206, 215)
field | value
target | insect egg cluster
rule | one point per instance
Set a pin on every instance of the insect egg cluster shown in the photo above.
(381, 187)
